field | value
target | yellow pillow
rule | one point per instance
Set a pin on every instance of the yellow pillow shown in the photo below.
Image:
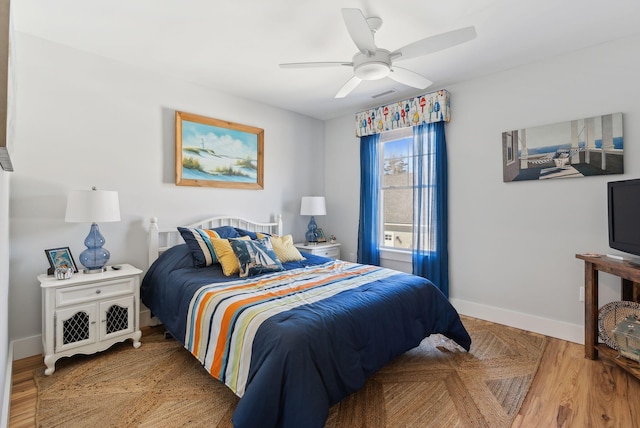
(283, 247)
(226, 256)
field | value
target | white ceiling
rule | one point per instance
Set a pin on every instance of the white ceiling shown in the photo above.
(235, 46)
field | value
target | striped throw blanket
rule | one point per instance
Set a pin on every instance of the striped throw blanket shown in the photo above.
(223, 318)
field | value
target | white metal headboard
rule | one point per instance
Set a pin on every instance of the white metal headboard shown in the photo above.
(161, 241)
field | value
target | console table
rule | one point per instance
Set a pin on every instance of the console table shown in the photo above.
(630, 288)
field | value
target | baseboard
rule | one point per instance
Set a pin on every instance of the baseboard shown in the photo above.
(6, 395)
(27, 347)
(146, 319)
(548, 327)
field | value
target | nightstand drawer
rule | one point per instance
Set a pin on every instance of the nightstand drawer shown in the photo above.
(85, 293)
(332, 253)
(330, 250)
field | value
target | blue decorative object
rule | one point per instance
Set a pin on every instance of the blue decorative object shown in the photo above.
(93, 206)
(312, 205)
(94, 257)
(311, 236)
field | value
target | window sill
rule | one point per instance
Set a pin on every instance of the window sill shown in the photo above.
(396, 255)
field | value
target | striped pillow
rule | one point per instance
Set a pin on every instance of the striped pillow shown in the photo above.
(199, 242)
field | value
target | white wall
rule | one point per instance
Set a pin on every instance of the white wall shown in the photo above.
(513, 245)
(342, 183)
(83, 120)
(4, 290)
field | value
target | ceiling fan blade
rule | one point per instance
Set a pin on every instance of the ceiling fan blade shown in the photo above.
(359, 30)
(409, 78)
(348, 87)
(315, 64)
(435, 43)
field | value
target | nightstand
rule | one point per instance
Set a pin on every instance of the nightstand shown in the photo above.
(325, 250)
(88, 313)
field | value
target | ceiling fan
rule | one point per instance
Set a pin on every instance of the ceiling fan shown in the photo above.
(373, 63)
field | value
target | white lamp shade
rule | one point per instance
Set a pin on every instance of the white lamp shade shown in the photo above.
(92, 206)
(313, 205)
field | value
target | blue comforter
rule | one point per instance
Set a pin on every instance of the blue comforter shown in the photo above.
(308, 358)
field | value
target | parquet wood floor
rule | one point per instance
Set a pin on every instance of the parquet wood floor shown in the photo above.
(568, 391)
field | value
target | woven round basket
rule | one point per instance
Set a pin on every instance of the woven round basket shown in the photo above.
(610, 315)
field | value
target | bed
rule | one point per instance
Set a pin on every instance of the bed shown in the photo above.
(289, 342)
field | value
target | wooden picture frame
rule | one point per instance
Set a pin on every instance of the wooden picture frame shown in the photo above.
(217, 153)
(60, 257)
(320, 235)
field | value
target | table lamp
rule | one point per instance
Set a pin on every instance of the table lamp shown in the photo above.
(312, 205)
(93, 206)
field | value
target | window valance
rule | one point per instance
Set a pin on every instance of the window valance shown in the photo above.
(429, 108)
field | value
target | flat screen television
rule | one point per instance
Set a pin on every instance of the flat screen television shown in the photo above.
(624, 215)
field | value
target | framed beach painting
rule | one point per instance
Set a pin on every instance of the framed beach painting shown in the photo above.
(576, 148)
(217, 153)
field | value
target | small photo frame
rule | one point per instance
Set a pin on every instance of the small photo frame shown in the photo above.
(59, 258)
(320, 235)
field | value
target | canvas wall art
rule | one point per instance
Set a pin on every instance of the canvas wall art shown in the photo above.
(216, 153)
(576, 148)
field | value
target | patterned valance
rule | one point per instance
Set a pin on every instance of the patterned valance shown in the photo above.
(427, 108)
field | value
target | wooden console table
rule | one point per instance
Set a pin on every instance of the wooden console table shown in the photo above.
(630, 288)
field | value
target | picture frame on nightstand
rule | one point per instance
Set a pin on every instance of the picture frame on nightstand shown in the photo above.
(60, 258)
(320, 236)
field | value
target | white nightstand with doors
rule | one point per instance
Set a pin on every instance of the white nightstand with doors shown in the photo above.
(322, 249)
(88, 313)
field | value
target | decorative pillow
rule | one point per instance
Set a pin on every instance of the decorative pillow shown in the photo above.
(199, 242)
(244, 232)
(283, 246)
(227, 232)
(255, 257)
(225, 255)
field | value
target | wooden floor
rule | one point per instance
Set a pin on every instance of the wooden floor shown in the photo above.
(568, 391)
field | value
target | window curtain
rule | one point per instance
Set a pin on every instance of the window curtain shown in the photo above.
(368, 229)
(430, 258)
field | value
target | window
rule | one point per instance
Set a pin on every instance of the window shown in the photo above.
(396, 182)
(397, 191)
(403, 200)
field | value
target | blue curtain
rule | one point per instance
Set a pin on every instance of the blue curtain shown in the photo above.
(369, 229)
(430, 257)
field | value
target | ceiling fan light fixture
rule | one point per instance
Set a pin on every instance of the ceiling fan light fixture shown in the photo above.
(373, 63)
(373, 70)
